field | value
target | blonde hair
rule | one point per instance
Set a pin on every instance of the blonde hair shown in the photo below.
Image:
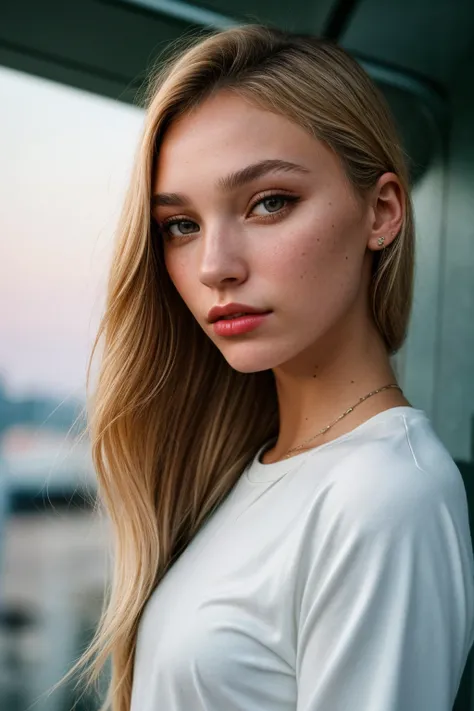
(172, 424)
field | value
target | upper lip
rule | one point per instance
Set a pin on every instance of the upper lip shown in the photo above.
(218, 312)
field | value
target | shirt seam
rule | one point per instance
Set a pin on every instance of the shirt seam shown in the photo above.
(342, 438)
(407, 434)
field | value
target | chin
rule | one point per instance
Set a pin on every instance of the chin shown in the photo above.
(253, 358)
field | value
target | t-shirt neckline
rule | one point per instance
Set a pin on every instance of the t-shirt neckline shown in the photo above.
(258, 472)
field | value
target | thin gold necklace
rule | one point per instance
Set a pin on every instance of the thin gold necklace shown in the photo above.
(347, 412)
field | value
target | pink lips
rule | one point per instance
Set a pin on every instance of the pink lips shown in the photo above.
(239, 325)
(247, 318)
(230, 309)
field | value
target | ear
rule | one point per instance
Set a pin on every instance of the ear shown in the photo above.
(387, 202)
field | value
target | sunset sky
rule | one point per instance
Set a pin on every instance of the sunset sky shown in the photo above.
(66, 159)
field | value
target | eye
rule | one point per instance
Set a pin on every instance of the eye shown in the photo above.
(179, 228)
(272, 203)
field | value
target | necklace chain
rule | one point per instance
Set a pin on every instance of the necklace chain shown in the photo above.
(344, 414)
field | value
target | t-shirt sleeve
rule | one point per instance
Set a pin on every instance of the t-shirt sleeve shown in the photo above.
(387, 603)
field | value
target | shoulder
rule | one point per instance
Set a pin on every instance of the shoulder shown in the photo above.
(395, 477)
(390, 508)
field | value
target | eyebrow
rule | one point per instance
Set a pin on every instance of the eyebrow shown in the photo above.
(234, 180)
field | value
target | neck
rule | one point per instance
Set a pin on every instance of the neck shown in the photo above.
(326, 380)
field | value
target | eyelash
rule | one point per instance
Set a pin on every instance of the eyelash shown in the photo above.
(292, 199)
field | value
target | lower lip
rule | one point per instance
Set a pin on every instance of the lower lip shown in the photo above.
(237, 326)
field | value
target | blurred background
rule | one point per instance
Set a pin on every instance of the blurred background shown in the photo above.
(70, 118)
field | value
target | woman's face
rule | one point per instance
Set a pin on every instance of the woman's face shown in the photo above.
(254, 211)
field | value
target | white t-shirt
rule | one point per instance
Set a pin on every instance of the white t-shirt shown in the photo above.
(341, 579)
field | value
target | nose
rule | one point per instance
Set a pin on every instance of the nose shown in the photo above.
(222, 259)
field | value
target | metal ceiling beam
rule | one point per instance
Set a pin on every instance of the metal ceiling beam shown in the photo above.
(337, 22)
(339, 19)
(186, 12)
(431, 96)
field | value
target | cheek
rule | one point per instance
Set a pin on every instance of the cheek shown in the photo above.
(314, 256)
(317, 268)
(178, 271)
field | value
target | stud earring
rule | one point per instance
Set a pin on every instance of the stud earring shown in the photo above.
(381, 241)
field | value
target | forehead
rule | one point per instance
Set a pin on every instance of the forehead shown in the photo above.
(227, 132)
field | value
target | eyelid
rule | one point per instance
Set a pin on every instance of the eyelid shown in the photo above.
(176, 218)
(164, 226)
(275, 192)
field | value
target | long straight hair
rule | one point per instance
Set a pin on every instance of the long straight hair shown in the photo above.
(172, 425)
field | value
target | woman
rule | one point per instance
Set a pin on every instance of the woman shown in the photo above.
(290, 532)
